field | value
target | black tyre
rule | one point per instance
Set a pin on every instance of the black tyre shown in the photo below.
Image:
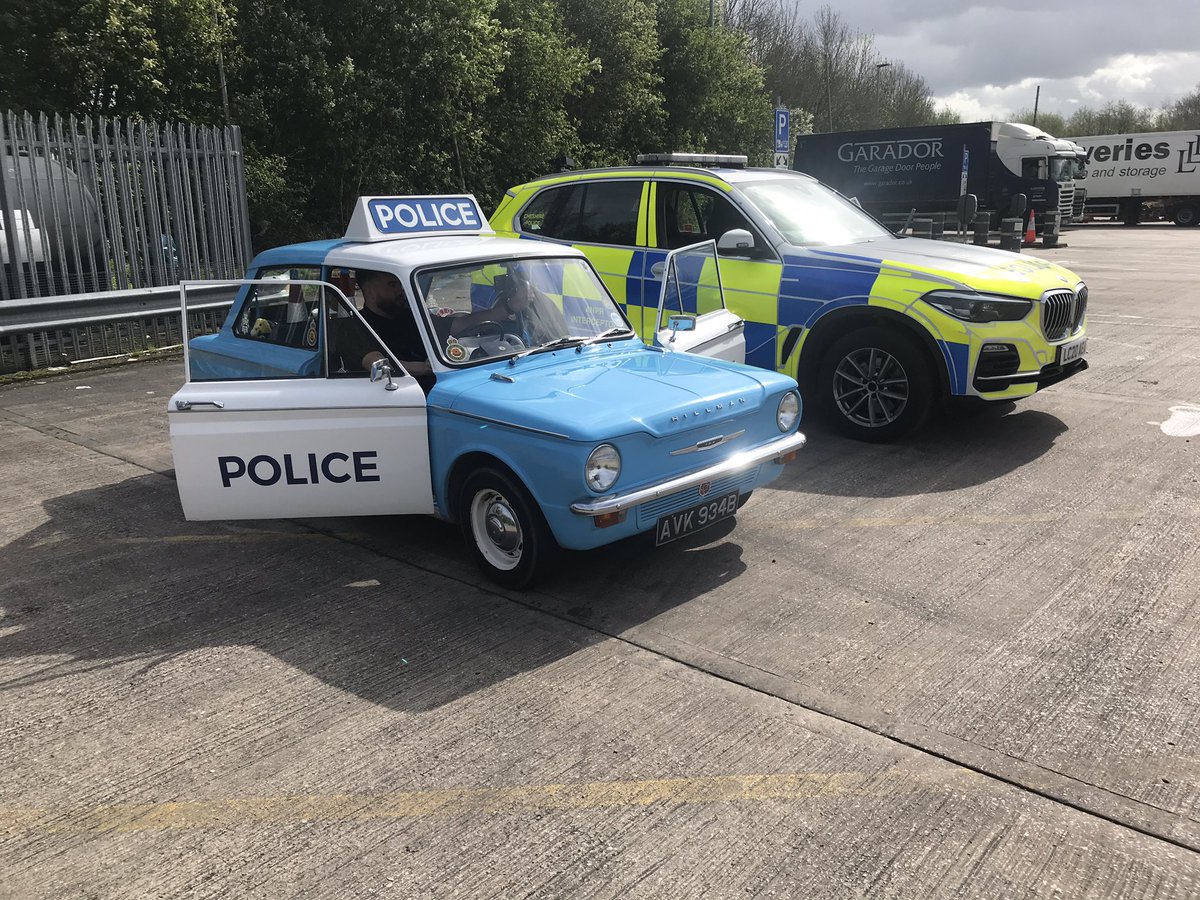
(1187, 215)
(505, 531)
(875, 384)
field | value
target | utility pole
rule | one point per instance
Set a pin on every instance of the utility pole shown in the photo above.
(1036, 97)
(878, 94)
(221, 65)
(828, 90)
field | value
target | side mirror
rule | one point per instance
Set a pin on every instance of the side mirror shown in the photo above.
(736, 241)
(681, 322)
(381, 369)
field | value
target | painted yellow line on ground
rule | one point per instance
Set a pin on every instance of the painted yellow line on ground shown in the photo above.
(414, 804)
(217, 538)
(1119, 515)
(1027, 519)
(241, 537)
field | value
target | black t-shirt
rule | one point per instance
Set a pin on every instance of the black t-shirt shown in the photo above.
(401, 335)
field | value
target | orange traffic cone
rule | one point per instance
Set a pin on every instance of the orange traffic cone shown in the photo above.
(1030, 232)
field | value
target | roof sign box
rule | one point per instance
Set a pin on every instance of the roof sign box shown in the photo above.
(388, 218)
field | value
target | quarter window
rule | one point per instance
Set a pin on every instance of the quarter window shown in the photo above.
(593, 212)
(287, 315)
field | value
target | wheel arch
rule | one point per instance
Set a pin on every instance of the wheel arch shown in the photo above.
(839, 322)
(463, 466)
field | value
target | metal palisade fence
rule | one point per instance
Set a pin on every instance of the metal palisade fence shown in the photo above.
(107, 205)
(103, 204)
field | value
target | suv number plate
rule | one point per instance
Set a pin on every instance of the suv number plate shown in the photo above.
(1068, 353)
(676, 525)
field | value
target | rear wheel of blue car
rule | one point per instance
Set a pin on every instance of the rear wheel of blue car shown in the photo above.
(875, 384)
(503, 527)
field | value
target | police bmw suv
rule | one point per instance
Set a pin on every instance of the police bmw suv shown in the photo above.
(875, 327)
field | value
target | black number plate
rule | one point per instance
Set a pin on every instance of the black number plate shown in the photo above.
(676, 525)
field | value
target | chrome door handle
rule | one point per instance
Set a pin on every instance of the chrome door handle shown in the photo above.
(657, 269)
(188, 404)
(734, 326)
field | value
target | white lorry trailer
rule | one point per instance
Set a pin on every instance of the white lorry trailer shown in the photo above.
(1134, 176)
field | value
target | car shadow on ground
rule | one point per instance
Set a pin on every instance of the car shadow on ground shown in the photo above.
(964, 447)
(389, 609)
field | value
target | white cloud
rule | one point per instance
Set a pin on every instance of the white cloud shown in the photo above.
(1149, 80)
(985, 58)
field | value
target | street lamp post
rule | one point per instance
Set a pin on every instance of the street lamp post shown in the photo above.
(878, 93)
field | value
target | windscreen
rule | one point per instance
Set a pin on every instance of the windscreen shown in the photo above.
(495, 308)
(809, 214)
(1062, 168)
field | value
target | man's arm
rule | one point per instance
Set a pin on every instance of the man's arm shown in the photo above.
(411, 366)
(500, 313)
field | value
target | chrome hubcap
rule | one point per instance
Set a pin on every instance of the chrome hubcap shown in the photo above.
(870, 387)
(496, 530)
(502, 527)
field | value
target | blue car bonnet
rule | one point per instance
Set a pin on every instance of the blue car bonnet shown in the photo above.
(603, 392)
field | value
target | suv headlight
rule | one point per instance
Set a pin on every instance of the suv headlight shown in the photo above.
(979, 307)
(602, 468)
(788, 412)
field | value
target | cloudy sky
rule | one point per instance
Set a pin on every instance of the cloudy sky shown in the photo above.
(985, 60)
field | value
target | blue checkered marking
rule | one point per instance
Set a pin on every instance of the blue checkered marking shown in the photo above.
(958, 358)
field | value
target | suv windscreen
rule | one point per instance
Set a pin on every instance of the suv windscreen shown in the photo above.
(808, 214)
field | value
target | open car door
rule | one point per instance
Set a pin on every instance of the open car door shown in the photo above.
(692, 316)
(274, 422)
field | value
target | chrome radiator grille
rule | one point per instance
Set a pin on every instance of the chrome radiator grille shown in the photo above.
(1063, 312)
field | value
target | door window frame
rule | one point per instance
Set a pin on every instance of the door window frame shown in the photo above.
(638, 229)
(766, 254)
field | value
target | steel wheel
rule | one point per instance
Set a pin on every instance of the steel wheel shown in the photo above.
(870, 387)
(504, 528)
(496, 530)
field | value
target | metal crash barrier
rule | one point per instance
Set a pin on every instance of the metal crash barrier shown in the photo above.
(74, 328)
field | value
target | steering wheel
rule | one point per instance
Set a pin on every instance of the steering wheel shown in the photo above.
(486, 328)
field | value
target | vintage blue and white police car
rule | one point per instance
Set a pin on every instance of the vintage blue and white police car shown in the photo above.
(424, 365)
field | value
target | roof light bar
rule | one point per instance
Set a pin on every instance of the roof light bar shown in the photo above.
(724, 160)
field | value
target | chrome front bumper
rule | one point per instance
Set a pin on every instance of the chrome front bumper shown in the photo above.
(739, 462)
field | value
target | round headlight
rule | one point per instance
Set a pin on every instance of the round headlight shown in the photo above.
(789, 411)
(602, 468)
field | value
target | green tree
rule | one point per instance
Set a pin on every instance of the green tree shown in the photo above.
(527, 128)
(715, 99)
(620, 108)
(147, 58)
(365, 97)
(1182, 115)
(1116, 117)
(830, 69)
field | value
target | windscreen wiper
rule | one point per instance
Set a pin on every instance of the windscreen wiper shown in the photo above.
(612, 332)
(553, 345)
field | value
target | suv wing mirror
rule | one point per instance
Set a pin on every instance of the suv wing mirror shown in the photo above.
(735, 240)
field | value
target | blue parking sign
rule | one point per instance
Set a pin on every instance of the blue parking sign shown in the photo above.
(783, 122)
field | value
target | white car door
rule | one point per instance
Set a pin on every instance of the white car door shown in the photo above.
(270, 425)
(691, 287)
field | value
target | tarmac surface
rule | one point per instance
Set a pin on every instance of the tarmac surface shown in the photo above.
(963, 665)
